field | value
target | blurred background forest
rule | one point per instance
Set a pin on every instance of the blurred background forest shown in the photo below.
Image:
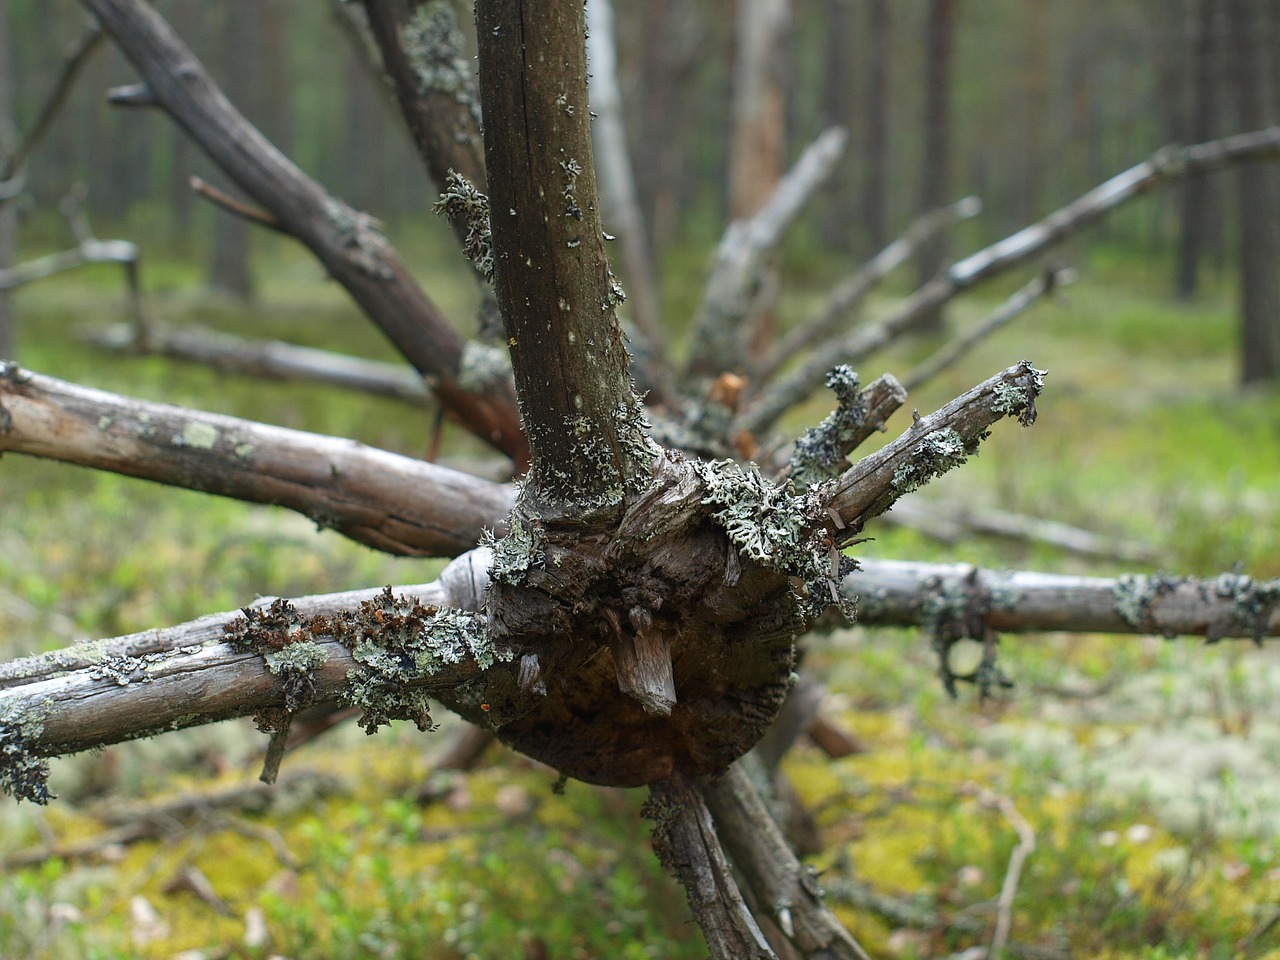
(1044, 101)
(1148, 771)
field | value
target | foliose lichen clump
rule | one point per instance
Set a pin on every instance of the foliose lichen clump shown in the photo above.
(23, 775)
(462, 201)
(934, 455)
(433, 43)
(780, 531)
(398, 643)
(823, 451)
(1020, 399)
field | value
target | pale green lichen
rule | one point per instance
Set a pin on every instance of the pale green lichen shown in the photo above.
(433, 44)
(461, 201)
(933, 456)
(482, 365)
(822, 452)
(202, 436)
(296, 664)
(1020, 398)
(781, 532)
(366, 248)
(397, 644)
(1134, 595)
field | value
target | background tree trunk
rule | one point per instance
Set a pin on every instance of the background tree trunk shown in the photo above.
(935, 168)
(1259, 198)
(875, 216)
(8, 208)
(1199, 193)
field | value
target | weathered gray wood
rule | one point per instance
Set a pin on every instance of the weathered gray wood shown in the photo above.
(779, 882)
(1168, 166)
(269, 359)
(898, 593)
(685, 841)
(932, 445)
(344, 240)
(718, 339)
(382, 499)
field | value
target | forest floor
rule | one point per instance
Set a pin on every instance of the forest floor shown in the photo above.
(1147, 770)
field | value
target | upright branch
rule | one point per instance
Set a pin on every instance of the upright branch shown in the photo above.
(345, 241)
(719, 335)
(555, 291)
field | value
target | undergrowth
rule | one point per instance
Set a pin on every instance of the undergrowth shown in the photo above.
(1145, 768)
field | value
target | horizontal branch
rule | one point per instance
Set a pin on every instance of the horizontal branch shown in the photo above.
(933, 445)
(717, 341)
(898, 593)
(1167, 166)
(88, 252)
(390, 502)
(270, 359)
(849, 294)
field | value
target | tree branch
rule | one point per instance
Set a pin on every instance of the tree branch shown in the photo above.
(932, 446)
(1167, 166)
(387, 501)
(617, 177)
(771, 870)
(355, 254)
(1017, 304)
(551, 274)
(269, 359)
(685, 841)
(897, 593)
(848, 295)
(717, 341)
(75, 57)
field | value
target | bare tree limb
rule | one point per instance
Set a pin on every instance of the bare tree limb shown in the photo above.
(1017, 304)
(897, 593)
(353, 252)
(685, 841)
(953, 524)
(387, 501)
(617, 177)
(74, 57)
(269, 359)
(233, 206)
(717, 341)
(932, 446)
(849, 294)
(1167, 166)
(777, 879)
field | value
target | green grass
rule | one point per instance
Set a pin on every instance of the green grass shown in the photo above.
(1150, 800)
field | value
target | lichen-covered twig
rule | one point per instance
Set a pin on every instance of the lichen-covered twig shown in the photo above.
(850, 293)
(385, 500)
(380, 650)
(685, 841)
(932, 446)
(718, 339)
(900, 593)
(823, 452)
(779, 882)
